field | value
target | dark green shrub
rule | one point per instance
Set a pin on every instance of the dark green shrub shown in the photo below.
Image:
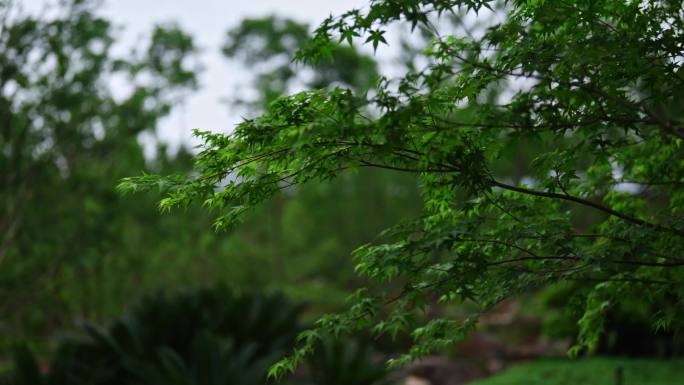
(206, 336)
(347, 362)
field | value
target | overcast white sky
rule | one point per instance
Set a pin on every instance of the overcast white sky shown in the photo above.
(207, 21)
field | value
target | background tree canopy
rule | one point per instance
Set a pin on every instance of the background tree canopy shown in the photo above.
(72, 112)
(592, 95)
(65, 135)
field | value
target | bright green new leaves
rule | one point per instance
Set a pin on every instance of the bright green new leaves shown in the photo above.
(548, 150)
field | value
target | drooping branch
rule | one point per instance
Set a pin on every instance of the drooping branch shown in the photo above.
(585, 202)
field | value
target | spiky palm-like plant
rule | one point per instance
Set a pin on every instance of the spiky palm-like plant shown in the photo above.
(205, 336)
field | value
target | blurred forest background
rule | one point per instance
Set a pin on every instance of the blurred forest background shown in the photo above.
(92, 284)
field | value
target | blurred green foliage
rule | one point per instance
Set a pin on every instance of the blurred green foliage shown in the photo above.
(71, 117)
(70, 246)
(267, 46)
